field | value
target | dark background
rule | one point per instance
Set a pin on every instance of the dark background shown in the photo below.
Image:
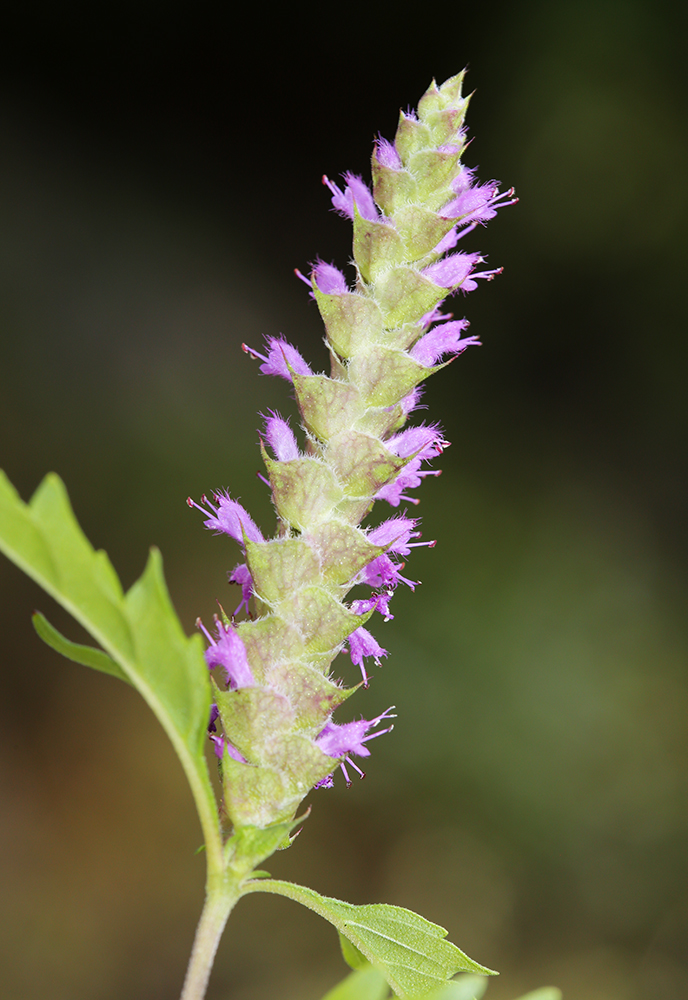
(160, 179)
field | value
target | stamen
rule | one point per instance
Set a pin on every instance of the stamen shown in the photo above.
(192, 503)
(356, 767)
(466, 231)
(204, 630)
(254, 354)
(373, 735)
(488, 275)
(302, 277)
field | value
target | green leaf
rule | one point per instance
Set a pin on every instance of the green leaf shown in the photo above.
(250, 845)
(139, 630)
(365, 984)
(351, 955)
(463, 988)
(87, 656)
(412, 952)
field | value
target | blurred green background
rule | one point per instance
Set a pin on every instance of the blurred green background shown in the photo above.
(160, 179)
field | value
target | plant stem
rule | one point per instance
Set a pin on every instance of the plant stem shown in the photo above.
(220, 899)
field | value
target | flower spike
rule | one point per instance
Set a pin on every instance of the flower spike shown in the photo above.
(386, 334)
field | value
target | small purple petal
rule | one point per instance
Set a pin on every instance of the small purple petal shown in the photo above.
(280, 437)
(395, 533)
(444, 339)
(380, 572)
(230, 517)
(356, 192)
(228, 652)
(351, 737)
(280, 355)
(329, 279)
(387, 155)
(222, 743)
(378, 602)
(464, 180)
(242, 576)
(362, 644)
(425, 439)
(412, 401)
(447, 242)
(424, 443)
(453, 270)
(214, 716)
(361, 195)
(435, 316)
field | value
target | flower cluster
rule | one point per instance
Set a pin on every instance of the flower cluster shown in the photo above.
(386, 333)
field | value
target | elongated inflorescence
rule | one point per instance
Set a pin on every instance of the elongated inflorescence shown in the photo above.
(274, 695)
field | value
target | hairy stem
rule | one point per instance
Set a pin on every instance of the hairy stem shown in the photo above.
(220, 899)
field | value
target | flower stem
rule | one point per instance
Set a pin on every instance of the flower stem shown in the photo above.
(219, 902)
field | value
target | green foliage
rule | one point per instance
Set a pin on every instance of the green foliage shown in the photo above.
(143, 640)
(367, 982)
(463, 988)
(87, 656)
(411, 952)
(351, 955)
(363, 984)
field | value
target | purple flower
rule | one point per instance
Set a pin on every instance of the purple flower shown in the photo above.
(281, 358)
(362, 644)
(228, 652)
(383, 572)
(351, 737)
(229, 517)
(449, 241)
(329, 279)
(476, 202)
(456, 271)
(423, 442)
(355, 193)
(280, 437)
(386, 154)
(452, 271)
(220, 742)
(378, 602)
(395, 533)
(214, 716)
(242, 576)
(412, 401)
(441, 340)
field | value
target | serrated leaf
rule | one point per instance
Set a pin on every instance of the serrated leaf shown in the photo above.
(412, 952)
(364, 984)
(139, 631)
